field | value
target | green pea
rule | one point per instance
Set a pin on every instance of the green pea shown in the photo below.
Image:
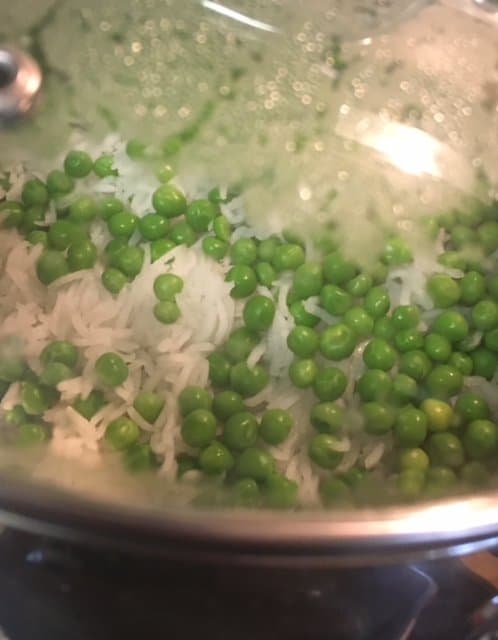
(301, 316)
(360, 285)
(122, 433)
(241, 431)
(266, 249)
(379, 418)
(410, 428)
(397, 252)
(12, 365)
(492, 286)
(484, 363)
(185, 463)
(31, 434)
(160, 247)
(167, 285)
(138, 458)
(167, 312)
(78, 164)
(485, 315)
(445, 449)
(38, 237)
(17, 415)
(11, 213)
(379, 273)
(452, 325)
(108, 206)
(265, 273)
(193, 398)
(406, 317)
(200, 214)
(62, 233)
(246, 493)
(199, 428)
(404, 389)
(415, 364)
(308, 280)
(182, 233)
(214, 248)
(444, 381)
(414, 458)
(169, 201)
(89, 406)
(222, 228)
(55, 372)
(379, 354)
(83, 210)
(34, 192)
(462, 236)
(35, 399)
(256, 464)
(226, 404)
(104, 166)
(149, 405)
(130, 260)
(410, 483)
(288, 257)
(323, 450)
(216, 459)
(472, 407)
(240, 344)
(280, 492)
(330, 383)
(60, 351)
(327, 417)
(51, 266)
(59, 183)
(488, 236)
(111, 369)
(276, 425)
(113, 280)
(473, 288)
(335, 492)
(248, 381)
(219, 370)
(437, 347)
(480, 439)
(384, 328)
(303, 341)
(453, 260)
(135, 149)
(377, 302)
(409, 340)
(374, 384)
(244, 281)
(359, 320)
(32, 219)
(152, 226)
(337, 342)
(439, 414)
(448, 219)
(475, 474)
(259, 313)
(244, 251)
(113, 248)
(302, 373)
(353, 477)
(82, 254)
(122, 225)
(444, 291)
(337, 270)
(462, 362)
(439, 480)
(335, 300)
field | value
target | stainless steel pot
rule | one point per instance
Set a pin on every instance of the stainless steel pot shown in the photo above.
(316, 538)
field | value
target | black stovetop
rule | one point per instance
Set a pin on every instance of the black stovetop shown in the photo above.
(56, 591)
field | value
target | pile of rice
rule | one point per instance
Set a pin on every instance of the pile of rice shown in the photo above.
(167, 358)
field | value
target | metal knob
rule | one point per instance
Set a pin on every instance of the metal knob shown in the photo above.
(20, 84)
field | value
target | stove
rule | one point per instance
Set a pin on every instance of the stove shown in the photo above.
(51, 590)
